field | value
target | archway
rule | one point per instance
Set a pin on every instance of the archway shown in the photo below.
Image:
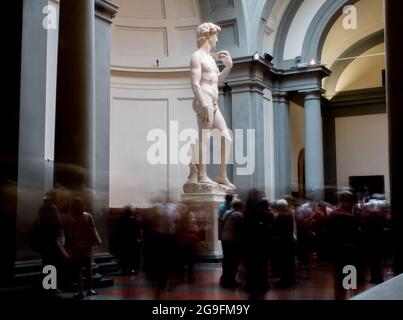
(344, 60)
(320, 27)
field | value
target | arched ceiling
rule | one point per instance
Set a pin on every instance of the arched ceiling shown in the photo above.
(299, 27)
(364, 72)
(272, 24)
(370, 19)
(165, 30)
(365, 43)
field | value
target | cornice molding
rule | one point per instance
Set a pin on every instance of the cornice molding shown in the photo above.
(133, 70)
(359, 97)
(280, 97)
(310, 69)
(105, 10)
(312, 94)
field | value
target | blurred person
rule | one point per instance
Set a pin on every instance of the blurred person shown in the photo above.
(160, 248)
(380, 197)
(285, 238)
(293, 202)
(128, 233)
(304, 217)
(373, 230)
(365, 196)
(48, 236)
(187, 239)
(320, 220)
(258, 246)
(344, 234)
(222, 209)
(231, 244)
(82, 235)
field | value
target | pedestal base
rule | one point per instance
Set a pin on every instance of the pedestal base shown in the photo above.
(206, 188)
(205, 207)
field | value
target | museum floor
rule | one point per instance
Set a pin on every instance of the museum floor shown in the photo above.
(313, 284)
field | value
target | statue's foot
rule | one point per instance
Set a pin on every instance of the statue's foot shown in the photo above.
(224, 181)
(192, 179)
(193, 175)
(205, 179)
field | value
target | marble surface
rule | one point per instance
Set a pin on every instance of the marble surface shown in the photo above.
(389, 290)
(203, 188)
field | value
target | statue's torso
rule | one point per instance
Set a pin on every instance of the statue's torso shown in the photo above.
(209, 77)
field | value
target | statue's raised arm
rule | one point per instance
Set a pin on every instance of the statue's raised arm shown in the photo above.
(225, 57)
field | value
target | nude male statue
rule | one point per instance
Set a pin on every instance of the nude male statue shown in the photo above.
(206, 78)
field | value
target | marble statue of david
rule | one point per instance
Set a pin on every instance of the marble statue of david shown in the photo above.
(205, 78)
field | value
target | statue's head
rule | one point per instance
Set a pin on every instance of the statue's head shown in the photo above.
(207, 32)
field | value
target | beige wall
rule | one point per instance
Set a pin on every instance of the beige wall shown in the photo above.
(145, 31)
(362, 148)
(297, 140)
(146, 97)
(141, 103)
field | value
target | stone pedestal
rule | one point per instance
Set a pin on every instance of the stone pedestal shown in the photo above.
(205, 207)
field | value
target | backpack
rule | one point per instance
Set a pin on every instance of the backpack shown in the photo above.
(222, 223)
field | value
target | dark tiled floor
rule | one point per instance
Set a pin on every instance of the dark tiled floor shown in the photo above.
(313, 284)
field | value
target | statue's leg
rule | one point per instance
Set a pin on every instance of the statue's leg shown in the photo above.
(226, 140)
(204, 149)
(204, 156)
(193, 172)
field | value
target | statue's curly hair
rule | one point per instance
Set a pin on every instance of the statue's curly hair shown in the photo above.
(206, 30)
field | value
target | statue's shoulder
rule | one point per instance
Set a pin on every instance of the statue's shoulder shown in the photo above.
(196, 59)
(196, 56)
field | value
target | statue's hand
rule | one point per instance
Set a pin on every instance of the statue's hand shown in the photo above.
(225, 57)
(204, 114)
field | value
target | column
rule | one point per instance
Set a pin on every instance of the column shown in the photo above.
(282, 144)
(82, 106)
(329, 148)
(314, 169)
(394, 53)
(75, 101)
(247, 116)
(104, 12)
(9, 128)
(32, 123)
